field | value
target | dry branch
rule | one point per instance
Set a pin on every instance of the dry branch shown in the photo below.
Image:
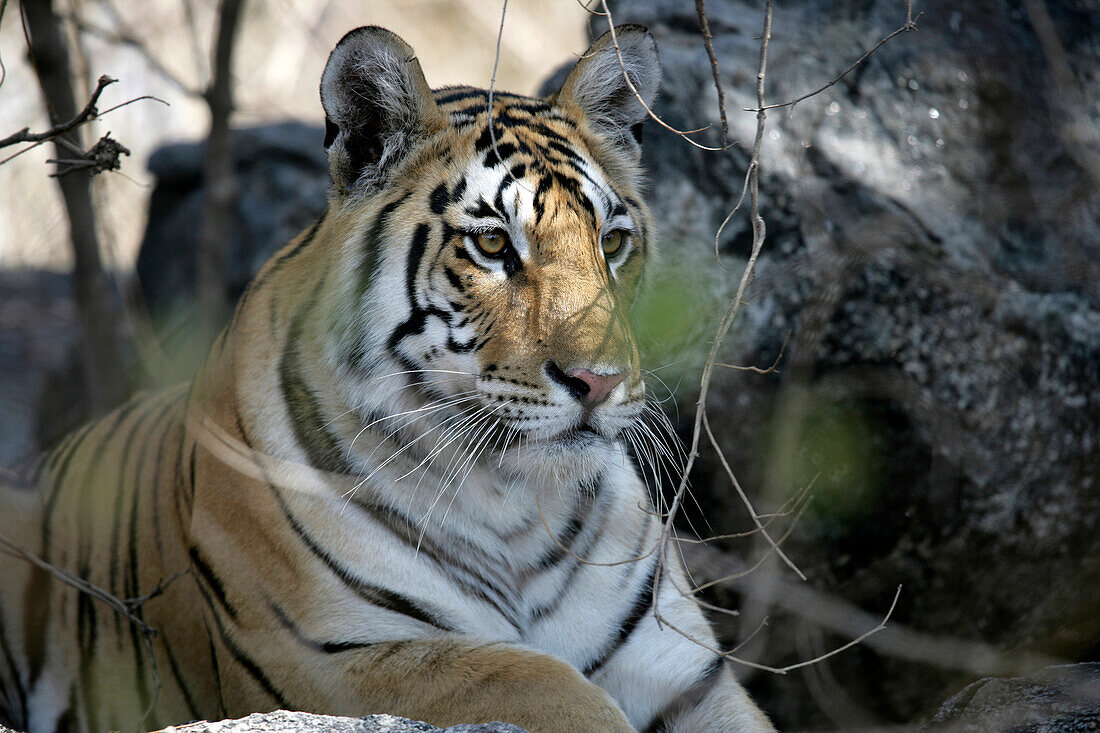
(910, 24)
(87, 114)
(708, 43)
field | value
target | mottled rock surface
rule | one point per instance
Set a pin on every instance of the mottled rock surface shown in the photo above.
(282, 721)
(933, 250)
(1064, 699)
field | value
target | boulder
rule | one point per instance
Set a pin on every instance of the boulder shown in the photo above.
(933, 253)
(1065, 699)
(282, 179)
(283, 721)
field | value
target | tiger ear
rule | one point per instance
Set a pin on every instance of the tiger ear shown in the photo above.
(377, 104)
(597, 84)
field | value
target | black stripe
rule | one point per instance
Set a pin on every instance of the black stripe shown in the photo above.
(460, 95)
(373, 594)
(372, 245)
(39, 587)
(212, 580)
(68, 447)
(327, 647)
(643, 601)
(438, 199)
(86, 636)
(321, 445)
(282, 259)
(454, 279)
(244, 660)
(67, 722)
(188, 697)
(483, 210)
(131, 582)
(124, 482)
(414, 324)
(59, 484)
(474, 582)
(691, 697)
(14, 713)
(496, 157)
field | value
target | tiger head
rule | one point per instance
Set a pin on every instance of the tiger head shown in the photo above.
(497, 243)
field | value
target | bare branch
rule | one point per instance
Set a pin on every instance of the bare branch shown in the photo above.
(62, 141)
(128, 608)
(910, 24)
(791, 667)
(83, 116)
(708, 42)
(734, 307)
(124, 36)
(773, 368)
(125, 607)
(630, 83)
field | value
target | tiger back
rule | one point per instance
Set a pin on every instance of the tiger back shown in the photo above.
(399, 482)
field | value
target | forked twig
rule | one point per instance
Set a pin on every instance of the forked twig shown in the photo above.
(85, 115)
(708, 43)
(126, 607)
(910, 24)
(630, 83)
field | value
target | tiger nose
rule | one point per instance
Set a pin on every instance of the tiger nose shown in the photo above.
(586, 386)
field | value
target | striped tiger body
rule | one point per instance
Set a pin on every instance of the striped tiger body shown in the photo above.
(398, 483)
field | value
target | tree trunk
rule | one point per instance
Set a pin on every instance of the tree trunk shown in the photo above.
(98, 309)
(220, 185)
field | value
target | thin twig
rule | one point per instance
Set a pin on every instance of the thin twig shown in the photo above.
(129, 37)
(910, 24)
(3, 69)
(732, 310)
(584, 4)
(708, 42)
(124, 37)
(489, 104)
(773, 368)
(85, 115)
(126, 607)
(630, 83)
(98, 116)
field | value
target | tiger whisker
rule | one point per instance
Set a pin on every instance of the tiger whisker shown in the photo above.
(406, 447)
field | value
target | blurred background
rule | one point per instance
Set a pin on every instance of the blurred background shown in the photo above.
(930, 287)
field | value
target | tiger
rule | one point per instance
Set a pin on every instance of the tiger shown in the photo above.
(400, 481)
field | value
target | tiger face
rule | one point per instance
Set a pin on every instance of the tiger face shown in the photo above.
(517, 233)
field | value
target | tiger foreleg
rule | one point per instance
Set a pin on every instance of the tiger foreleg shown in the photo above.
(717, 703)
(453, 681)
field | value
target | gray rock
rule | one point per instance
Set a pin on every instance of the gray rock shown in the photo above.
(1063, 699)
(282, 177)
(283, 721)
(934, 249)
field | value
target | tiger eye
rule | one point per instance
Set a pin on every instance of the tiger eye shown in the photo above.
(613, 241)
(491, 243)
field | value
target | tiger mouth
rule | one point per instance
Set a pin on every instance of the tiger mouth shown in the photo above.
(580, 436)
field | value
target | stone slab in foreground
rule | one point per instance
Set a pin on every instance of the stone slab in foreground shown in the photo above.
(282, 721)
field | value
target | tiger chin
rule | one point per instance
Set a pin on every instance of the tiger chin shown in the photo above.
(399, 482)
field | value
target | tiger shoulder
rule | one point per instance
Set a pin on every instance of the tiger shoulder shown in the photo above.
(400, 482)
